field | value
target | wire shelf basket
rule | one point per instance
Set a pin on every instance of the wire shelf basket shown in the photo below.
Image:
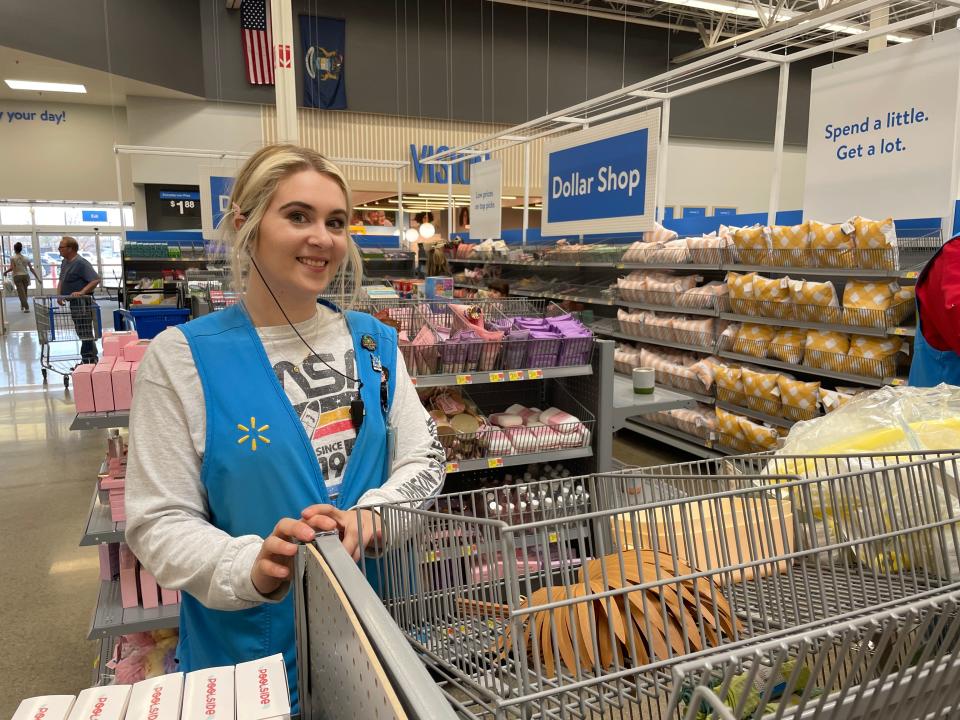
(583, 608)
(663, 329)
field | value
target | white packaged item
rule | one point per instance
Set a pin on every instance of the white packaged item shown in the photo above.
(262, 692)
(103, 703)
(48, 707)
(157, 698)
(209, 694)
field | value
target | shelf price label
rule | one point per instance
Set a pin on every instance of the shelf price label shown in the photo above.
(516, 375)
(900, 331)
(552, 537)
(464, 379)
(496, 377)
(896, 382)
(912, 275)
(535, 374)
(494, 463)
(413, 380)
(619, 266)
(432, 556)
(453, 467)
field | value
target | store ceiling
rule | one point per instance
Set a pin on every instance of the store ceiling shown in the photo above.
(102, 88)
(718, 23)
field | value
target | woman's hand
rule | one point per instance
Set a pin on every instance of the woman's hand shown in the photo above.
(326, 518)
(274, 563)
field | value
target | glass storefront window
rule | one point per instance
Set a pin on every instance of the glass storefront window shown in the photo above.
(15, 215)
(45, 215)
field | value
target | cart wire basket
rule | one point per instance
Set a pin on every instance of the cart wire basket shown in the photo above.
(577, 597)
(69, 322)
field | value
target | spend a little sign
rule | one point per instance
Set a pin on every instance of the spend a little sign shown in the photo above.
(602, 179)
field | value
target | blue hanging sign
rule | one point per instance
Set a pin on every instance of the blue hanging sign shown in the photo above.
(93, 215)
(603, 179)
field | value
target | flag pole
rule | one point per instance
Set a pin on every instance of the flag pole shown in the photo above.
(281, 22)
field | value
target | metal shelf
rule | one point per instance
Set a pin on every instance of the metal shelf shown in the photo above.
(805, 325)
(627, 403)
(100, 526)
(859, 379)
(909, 273)
(709, 312)
(699, 397)
(110, 619)
(756, 415)
(173, 260)
(600, 327)
(492, 463)
(675, 438)
(101, 421)
(707, 267)
(500, 376)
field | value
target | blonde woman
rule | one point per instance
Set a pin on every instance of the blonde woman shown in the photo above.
(266, 422)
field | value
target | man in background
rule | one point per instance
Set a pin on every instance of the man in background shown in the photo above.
(77, 282)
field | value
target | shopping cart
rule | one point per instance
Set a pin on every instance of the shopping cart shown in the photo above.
(67, 320)
(580, 597)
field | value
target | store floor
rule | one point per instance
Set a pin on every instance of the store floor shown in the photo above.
(46, 483)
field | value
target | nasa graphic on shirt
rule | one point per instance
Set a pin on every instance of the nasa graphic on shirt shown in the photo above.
(322, 398)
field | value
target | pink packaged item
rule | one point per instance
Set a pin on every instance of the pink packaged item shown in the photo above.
(157, 698)
(559, 420)
(497, 441)
(122, 387)
(83, 388)
(506, 420)
(133, 374)
(169, 597)
(102, 378)
(531, 416)
(115, 340)
(149, 596)
(104, 702)
(523, 439)
(109, 560)
(135, 351)
(47, 707)
(547, 437)
(128, 578)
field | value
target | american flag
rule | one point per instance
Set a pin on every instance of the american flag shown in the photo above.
(257, 42)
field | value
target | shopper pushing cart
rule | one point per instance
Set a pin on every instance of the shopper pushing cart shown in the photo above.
(77, 282)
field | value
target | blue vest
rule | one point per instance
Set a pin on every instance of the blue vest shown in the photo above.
(930, 366)
(250, 486)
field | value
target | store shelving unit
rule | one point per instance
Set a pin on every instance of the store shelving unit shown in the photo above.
(101, 420)
(627, 404)
(111, 619)
(500, 376)
(100, 526)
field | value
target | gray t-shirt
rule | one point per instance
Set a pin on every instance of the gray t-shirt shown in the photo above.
(21, 265)
(75, 275)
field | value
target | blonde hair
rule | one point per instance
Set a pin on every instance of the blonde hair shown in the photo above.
(253, 190)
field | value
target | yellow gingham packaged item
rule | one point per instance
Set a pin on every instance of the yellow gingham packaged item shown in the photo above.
(729, 381)
(800, 399)
(729, 424)
(831, 245)
(757, 435)
(827, 350)
(762, 390)
(874, 356)
(905, 294)
(814, 301)
(741, 292)
(753, 339)
(773, 297)
(865, 302)
(753, 245)
(787, 345)
(876, 241)
(790, 244)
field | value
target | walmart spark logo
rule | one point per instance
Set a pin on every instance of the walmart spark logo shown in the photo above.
(253, 433)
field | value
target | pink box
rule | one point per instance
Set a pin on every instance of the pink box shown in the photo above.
(128, 578)
(169, 597)
(148, 590)
(109, 560)
(122, 387)
(135, 351)
(83, 388)
(115, 340)
(133, 373)
(102, 377)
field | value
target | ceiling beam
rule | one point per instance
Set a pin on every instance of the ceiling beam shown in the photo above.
(599, 14)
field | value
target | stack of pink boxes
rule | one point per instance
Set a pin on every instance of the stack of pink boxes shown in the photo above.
(113, 482)
(108, 385)
(138, 588)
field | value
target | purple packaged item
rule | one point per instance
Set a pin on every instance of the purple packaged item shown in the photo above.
(453, 355)
(544, 348)
(515, 349)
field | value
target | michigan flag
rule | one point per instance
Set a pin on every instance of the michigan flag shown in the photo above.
(323, 41)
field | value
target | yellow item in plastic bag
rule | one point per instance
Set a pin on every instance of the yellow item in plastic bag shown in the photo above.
(814, 301)
(729, 424)
(874, 356)
(759, 435)
(831, 246)
(773, 296)
(865, 302)
(800, 399)
(790, 244)
(827, 350)
(762, 390)
(787, 345)
(730, 379)
(753, 244)
(754, 339)
(741, 292)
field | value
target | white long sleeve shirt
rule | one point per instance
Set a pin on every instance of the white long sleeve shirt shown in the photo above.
(168, 524)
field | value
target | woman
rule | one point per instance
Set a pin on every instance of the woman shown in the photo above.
(21, 267)
(259, 425)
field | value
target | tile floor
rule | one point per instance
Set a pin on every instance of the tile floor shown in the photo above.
(47, 474)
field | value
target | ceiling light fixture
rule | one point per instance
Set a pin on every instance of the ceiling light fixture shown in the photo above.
(45, 86)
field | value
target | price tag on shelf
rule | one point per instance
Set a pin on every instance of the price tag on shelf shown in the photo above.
(496, 377)
(900, 331)
(516, 375)
(453, 467)
(413, 380)
(619, 266)
(552, 537)
(494, 463)
(535, 374)
(896, 382)
(912, 275)
(432, 556)
(464, 379)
